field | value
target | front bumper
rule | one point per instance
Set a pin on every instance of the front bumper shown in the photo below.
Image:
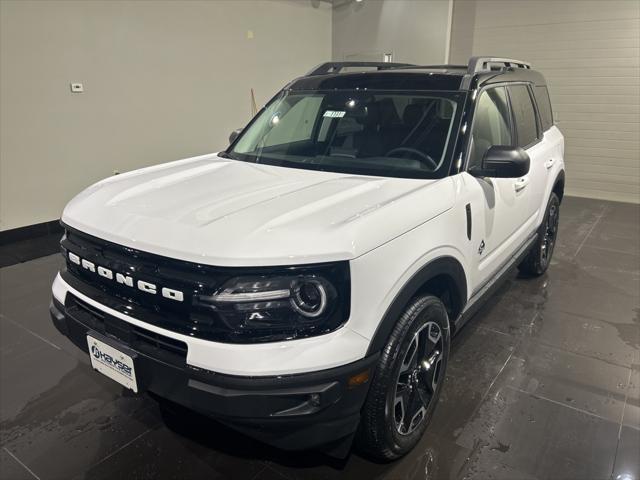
(292, 412)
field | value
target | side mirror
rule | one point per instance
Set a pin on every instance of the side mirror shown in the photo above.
(503, 161)
(234, 135)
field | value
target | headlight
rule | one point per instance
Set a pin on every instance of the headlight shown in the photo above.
(284, 304)
(309, 297)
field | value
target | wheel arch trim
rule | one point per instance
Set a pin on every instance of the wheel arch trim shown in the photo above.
(444, 265)
(559, 180)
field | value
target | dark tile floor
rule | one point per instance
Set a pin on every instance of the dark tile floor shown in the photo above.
(544, 383)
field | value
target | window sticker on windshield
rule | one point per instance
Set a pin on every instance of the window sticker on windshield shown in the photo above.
(334, 114)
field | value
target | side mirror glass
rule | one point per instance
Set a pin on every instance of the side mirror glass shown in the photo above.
(234, 135)
(503, 161)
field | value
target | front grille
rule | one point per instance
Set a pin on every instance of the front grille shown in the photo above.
(192, 279)
(186, 317)
(144, 341)
(101, 279)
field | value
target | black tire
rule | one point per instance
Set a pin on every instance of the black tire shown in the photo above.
(384, 433)
(539, 257)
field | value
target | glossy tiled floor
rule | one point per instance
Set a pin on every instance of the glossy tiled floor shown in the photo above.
(543, 383)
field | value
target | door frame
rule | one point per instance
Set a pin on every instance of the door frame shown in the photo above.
(514, 131)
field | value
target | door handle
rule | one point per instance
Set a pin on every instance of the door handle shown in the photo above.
(521, 183)
(549, 163)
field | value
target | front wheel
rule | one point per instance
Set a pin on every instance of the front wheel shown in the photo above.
(539, 257)
(407, 382)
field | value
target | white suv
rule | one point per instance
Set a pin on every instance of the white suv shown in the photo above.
(303, 286)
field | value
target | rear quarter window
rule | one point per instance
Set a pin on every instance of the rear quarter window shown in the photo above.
(524, 115)
(544, 106)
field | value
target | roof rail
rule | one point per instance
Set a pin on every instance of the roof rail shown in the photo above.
(483, 64)
(335, 67)
(438, 67)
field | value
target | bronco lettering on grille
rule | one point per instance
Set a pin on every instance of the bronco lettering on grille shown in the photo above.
(125, 280)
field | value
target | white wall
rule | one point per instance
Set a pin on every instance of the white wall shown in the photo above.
(415, 31)
(163, 80)
(589, 51)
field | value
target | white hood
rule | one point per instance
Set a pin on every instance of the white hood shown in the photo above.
(230, 213)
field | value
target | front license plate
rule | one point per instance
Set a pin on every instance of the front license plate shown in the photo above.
(113, 363)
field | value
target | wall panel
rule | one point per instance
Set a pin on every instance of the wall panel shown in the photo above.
(589, 51)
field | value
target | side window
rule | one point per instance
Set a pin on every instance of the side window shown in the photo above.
(524, 115)
(544, 107)
(491, 124)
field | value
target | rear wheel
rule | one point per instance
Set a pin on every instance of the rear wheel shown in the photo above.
(539, 257)
(407, 382)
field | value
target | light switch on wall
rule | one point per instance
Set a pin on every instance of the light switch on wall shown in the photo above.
(77, 88)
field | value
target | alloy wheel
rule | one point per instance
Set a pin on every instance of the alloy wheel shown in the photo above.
(550, 233)
(418, 378)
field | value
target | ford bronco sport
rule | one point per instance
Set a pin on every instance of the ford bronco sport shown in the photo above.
(303, 285)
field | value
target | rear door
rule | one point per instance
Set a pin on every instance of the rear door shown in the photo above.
(551, 149)
(529, 136)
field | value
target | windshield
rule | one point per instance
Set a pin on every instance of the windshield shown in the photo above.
(398, 134)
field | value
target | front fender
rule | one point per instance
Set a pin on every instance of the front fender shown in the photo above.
(444, 265)
(391, 274)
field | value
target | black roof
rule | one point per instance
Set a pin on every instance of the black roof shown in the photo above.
(480, 71)
(399, 79)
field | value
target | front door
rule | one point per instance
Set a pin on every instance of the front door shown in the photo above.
(503, 207)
